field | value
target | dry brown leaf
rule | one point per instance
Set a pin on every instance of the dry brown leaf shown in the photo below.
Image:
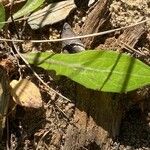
(26, 93)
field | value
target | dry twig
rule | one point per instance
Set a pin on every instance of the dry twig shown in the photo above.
(76, 37)
(37, 76)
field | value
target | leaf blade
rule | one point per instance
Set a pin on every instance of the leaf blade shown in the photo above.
(2, 16)
(99, 70)
(29, 7)
(45, 16)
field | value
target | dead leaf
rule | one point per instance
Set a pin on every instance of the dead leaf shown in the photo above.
(51, 14)
(26, 93)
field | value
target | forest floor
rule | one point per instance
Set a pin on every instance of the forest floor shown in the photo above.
(45, 128)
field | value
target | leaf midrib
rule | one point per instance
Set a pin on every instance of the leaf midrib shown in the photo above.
(84, 68)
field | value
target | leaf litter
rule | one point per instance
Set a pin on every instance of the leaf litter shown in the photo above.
(51, 119)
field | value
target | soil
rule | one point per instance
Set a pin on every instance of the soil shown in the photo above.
(47, 128)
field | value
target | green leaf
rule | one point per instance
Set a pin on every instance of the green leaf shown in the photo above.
(99, 70)
(29, 7)
(2, 16)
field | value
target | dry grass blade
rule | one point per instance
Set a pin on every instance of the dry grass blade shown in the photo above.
(77, 37)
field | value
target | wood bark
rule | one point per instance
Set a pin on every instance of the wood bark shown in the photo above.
(130, 37)
(96, 18)
(97, 118)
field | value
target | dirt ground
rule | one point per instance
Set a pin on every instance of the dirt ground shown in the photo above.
(46, 128)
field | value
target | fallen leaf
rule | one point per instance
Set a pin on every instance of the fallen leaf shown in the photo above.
(26, 93)
(51, 14)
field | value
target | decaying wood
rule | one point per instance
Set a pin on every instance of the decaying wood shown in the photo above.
(130, 36)
(95, 20)
(97, 117)
(4, 98)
